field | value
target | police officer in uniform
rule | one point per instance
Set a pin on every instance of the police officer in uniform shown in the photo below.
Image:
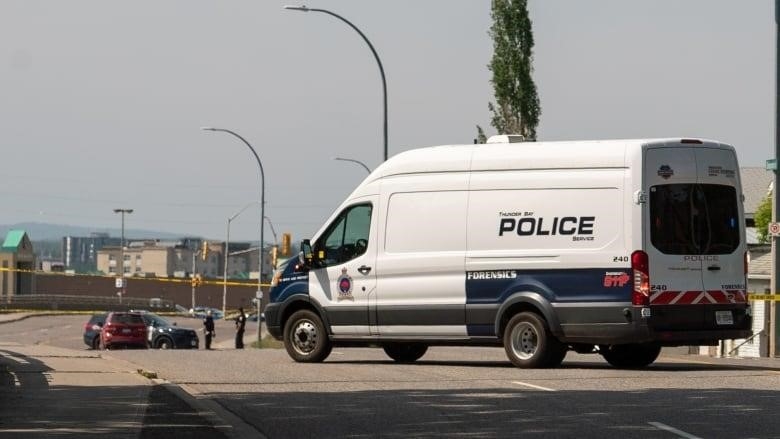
(208, 328)
(240, 325)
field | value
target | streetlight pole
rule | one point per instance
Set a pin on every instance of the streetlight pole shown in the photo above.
(370, 46)
(273, 231)
(774, 311)
(227, 246)
(193, 278)
(262, 215)
(354, 161)
(122, 251)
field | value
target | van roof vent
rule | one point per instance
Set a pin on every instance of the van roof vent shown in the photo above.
(506, 138)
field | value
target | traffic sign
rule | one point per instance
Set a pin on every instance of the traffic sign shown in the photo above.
(119, 282)
(774, 229)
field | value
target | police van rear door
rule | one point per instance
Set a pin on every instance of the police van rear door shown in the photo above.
(696, 243)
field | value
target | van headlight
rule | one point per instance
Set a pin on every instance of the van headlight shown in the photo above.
(276, 278)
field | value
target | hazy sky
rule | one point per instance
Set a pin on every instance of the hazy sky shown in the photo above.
(101, 101)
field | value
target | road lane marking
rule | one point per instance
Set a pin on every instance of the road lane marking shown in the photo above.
(680, 433)
(533, 386)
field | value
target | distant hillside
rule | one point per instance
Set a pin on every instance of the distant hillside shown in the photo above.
(50, 232)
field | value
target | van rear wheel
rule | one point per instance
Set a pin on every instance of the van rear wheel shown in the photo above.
(529, 343)
(630, 356)
(305, 338)
(405, 352)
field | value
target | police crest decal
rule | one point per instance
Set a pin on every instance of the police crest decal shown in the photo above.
(344, 284)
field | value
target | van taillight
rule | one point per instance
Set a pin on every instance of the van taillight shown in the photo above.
(641, 274)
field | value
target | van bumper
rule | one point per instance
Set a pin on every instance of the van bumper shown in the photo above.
(703, 338)
(640, 332)
(668, 326)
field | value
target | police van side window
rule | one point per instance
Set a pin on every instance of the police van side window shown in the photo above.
(691, 219)
(346, 238)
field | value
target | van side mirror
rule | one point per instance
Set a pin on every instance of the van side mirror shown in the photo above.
(306, 256)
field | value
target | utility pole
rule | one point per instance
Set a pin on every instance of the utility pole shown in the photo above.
(122, 253)
(774, 329)
(193, 277)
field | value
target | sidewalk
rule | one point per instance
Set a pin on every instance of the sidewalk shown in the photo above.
(49, 391)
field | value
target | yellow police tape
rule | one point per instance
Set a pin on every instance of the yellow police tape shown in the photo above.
(153, 279)
(769, 297)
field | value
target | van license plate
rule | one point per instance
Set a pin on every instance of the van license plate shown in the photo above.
(724, 318)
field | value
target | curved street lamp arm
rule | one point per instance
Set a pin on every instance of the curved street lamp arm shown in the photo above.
(354, 161)
(373, 51)
(257, 157)
(232, 217)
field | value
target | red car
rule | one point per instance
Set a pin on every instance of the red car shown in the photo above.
(125, 329)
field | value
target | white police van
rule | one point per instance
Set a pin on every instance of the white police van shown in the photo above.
(617, 247)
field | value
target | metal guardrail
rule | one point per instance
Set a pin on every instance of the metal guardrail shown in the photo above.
(82, 303)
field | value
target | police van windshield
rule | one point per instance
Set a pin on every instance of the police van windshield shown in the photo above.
(694, 219)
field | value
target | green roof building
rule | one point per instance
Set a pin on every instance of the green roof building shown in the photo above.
(17, 264)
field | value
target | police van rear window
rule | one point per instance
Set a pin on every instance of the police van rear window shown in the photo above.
(694, 219)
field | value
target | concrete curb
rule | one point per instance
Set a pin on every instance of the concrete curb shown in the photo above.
(15, 317)
(218, 415)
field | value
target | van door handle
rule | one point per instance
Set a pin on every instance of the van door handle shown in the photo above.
(713, 268)
(364, 269)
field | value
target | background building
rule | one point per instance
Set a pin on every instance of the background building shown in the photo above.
(79, 254)
(17, 261)
(182, 258)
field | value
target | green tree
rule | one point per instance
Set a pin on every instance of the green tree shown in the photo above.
(762, 218)
(517, 107)
(481, 137)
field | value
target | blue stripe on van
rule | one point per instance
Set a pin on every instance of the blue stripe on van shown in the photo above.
(561, 285)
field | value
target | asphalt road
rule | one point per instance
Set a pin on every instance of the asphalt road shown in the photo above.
(450, 392)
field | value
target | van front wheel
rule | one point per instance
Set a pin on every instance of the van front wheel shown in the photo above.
(405, 352)
(305, 338)
(529, 344)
